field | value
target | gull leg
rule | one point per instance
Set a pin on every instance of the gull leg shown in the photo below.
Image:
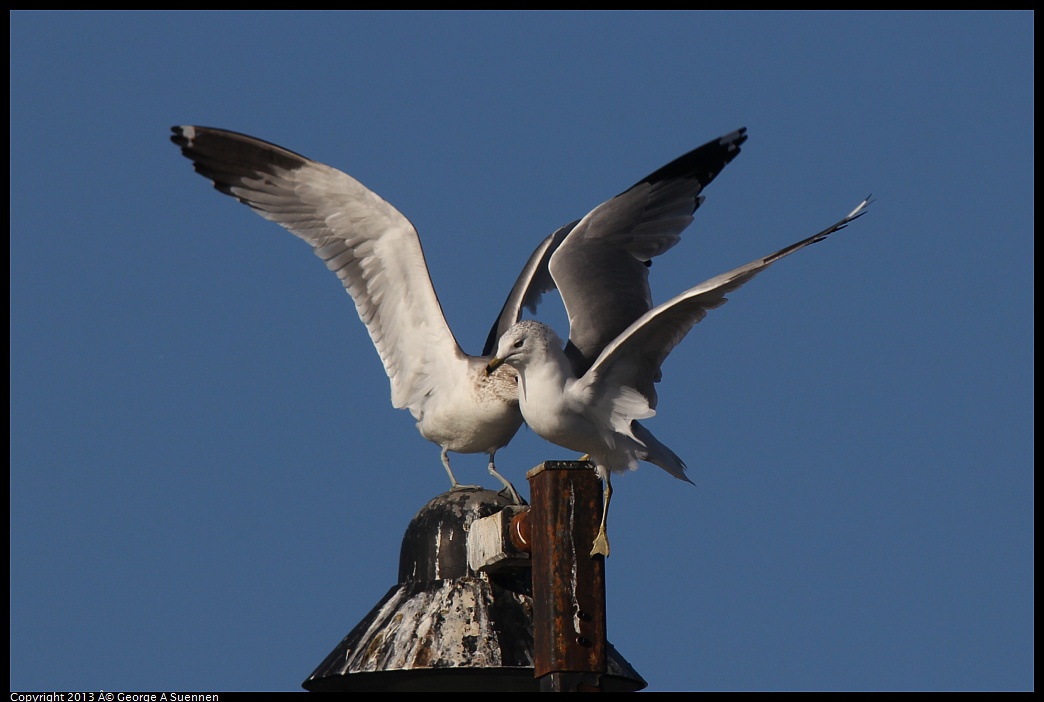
(449, 471)
(453, 478)
(512, 493)
(601, 542)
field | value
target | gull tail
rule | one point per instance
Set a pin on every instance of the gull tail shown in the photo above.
(659, 454)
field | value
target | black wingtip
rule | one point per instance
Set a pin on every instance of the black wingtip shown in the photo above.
(178, 136)
(704, 162)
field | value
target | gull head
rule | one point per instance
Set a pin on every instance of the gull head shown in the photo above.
(524, 342)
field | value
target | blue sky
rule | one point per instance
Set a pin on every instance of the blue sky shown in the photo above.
(209, 484)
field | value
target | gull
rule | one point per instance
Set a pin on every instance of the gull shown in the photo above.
(598, 263)
(596, 412)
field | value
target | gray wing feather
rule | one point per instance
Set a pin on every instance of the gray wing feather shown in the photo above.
(367, 243)
(534, 280)
(601, 268)
(634, 358)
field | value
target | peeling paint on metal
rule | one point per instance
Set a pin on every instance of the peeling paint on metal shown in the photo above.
(573, 580)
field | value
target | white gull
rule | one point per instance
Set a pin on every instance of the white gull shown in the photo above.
(595, 412)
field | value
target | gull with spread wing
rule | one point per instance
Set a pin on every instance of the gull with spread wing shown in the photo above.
(596, 412)
(598, 263)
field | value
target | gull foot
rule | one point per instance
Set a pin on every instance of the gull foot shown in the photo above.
(601, 545)
(509, 492)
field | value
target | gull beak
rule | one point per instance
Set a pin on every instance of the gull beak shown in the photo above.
(493, 365)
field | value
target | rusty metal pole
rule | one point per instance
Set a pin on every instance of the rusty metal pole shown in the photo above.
(569, 632)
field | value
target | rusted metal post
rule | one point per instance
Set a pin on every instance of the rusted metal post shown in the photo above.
(569, 632)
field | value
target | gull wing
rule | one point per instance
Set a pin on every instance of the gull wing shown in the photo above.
(633, 359)
(601, 266)
(534, 280)
(370, 245)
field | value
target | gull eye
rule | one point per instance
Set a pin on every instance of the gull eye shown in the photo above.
(517, 344)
